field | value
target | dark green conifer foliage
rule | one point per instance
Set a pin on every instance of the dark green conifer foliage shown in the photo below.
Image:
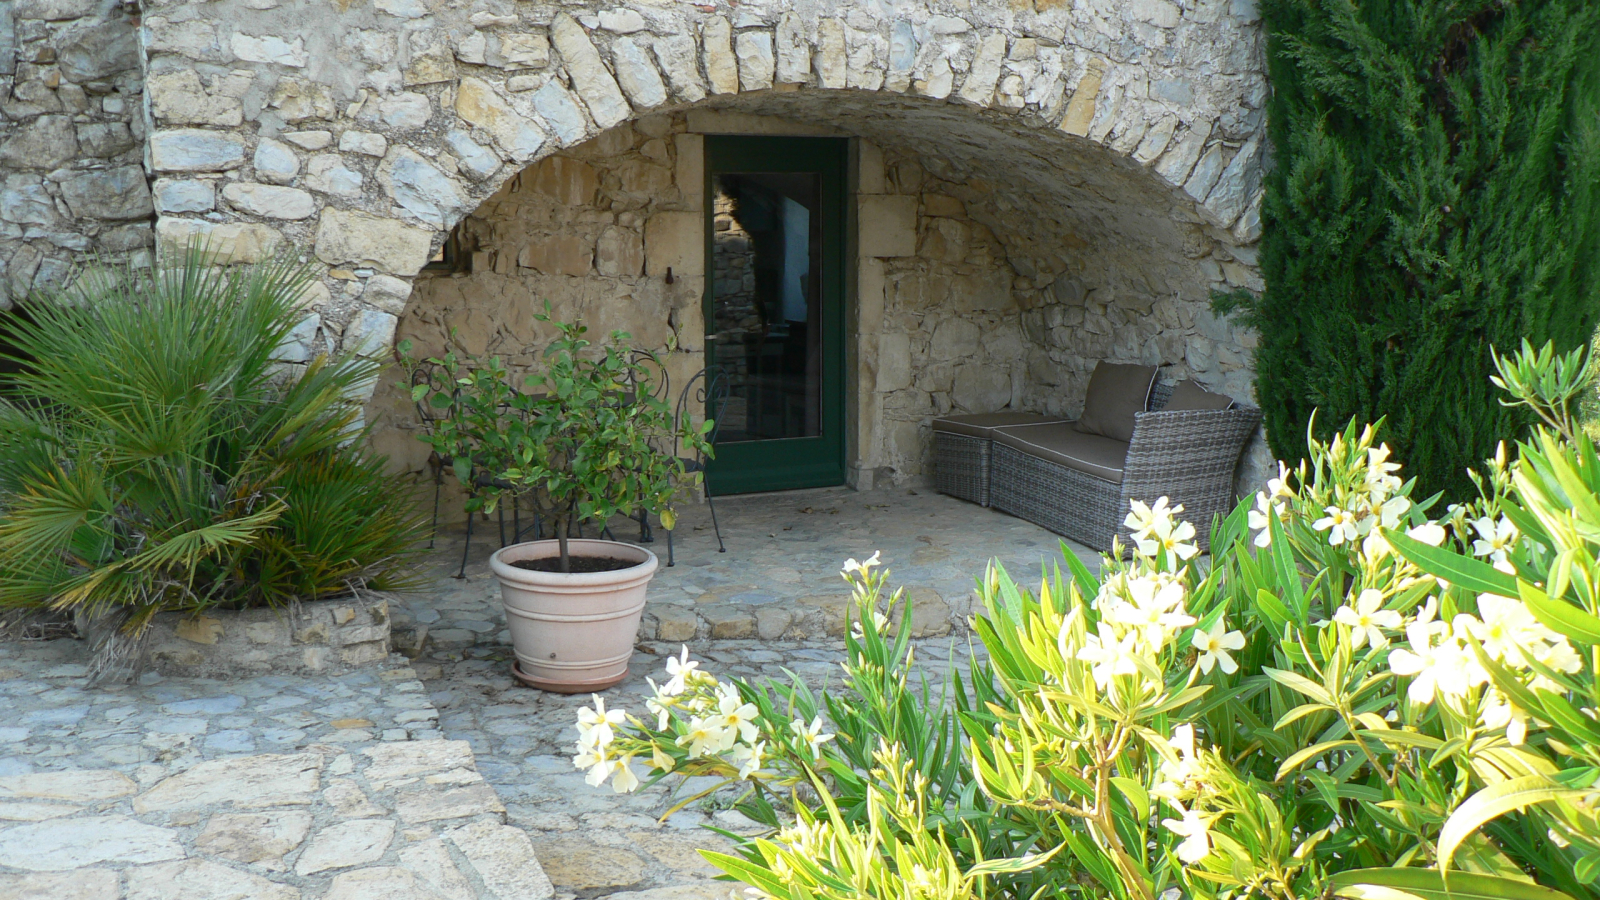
(1436, 193)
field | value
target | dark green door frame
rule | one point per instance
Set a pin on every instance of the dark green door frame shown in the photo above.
(801, 462)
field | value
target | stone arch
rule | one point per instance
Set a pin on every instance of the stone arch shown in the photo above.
(1129, 131)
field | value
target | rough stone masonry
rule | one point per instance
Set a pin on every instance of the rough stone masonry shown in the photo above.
(1072, 178)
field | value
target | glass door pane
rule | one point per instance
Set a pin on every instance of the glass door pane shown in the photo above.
(766, 252)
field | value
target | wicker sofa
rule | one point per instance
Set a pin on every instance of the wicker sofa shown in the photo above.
(1079, 485)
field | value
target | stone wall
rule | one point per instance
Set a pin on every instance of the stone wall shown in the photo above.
(317, 636)
(365, 131)
(1103, 158)
(571, 231)
(71, 136)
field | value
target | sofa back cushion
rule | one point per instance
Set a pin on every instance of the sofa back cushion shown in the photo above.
(1188, 395)
(1116, 392)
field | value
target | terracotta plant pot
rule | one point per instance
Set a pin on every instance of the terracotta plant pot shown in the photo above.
(573, 632)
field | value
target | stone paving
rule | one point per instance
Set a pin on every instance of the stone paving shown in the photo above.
(272, 788)
(443, 779)
(782, 565)
(779, 580)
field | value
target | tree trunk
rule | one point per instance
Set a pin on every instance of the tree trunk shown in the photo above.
(563, 532)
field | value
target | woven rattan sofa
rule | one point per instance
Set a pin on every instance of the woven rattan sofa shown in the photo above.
(1079, 485)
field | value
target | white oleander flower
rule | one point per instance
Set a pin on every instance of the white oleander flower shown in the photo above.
(1494, 539)
(1498, 712)
(705, 737)
(879, 623)
(1279, 487)
(737, 716)
(1380, 478)
(598, 770)
(1260, 518)
(1195, 829)
(811, 735)
(587, 756)
(1144, 520)
(1340, 524)
(679, 671)
(1506, 629)
(1557, 654)
(748, 757)
(595, 725)
(1214, 646)
(660, 760)
(1430, 533)
(1437, 663)
(623, 779)
(660, 705)
(851, 566)
(1109, 656)
(1391, 510)
(1367, 619)
(1154, 609)
(1177, 776)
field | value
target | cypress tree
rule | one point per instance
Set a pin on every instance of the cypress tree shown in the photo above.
(1436, 194)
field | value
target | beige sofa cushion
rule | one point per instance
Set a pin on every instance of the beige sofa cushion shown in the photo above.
(983, 425)
(1188, 395)
(1064, 445)
(1116, 392)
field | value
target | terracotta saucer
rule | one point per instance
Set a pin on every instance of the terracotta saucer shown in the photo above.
(564, 687)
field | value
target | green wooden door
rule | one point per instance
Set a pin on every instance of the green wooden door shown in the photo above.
(774, 309)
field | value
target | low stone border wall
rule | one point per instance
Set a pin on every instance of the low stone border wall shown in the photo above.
(321, 636)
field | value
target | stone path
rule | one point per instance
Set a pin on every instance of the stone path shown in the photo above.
(779, 579)
(443, 779)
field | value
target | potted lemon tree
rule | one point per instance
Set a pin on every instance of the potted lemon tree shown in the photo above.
(585, 441)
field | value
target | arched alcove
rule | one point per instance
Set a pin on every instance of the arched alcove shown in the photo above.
(995, 262)
(1066, 182)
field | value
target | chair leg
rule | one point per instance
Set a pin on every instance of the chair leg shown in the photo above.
(715, 527)
(466, 548)
(433, 527)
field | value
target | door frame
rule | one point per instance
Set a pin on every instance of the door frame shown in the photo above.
(791, 463)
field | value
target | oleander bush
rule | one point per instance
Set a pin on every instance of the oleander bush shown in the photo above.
(1358, 695)
(156, 454)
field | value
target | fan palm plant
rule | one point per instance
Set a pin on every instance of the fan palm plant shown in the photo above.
(157, 454)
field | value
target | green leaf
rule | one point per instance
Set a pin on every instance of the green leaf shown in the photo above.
(1429, 884)
(1494, 801)
(1315, 750)
(1300, 683)
(1013, 865)
(1560, 616)
(1461, 571)
(746, 871)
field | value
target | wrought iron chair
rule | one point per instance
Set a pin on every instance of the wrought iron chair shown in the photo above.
(708, 390)
(433, 377)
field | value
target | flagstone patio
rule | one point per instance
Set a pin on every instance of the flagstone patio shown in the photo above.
(440, 778)
(779, 579)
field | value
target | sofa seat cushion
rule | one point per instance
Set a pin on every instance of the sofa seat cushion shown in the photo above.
(983, 425)
(1064, 445)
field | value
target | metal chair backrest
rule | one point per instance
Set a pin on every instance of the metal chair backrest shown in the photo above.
(708, 390)
(651, 370)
